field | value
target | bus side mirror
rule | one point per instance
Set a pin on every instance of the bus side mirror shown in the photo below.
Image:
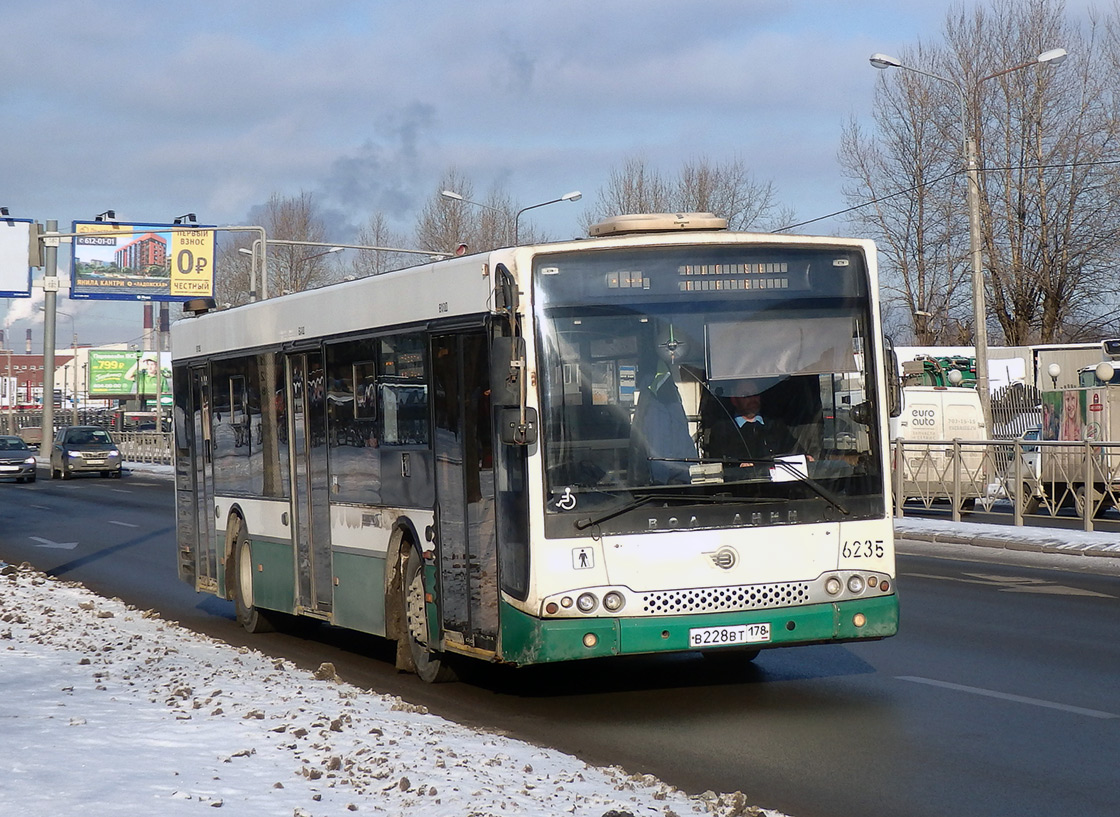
(513, 430)
(507, 357)
(506, 300)
(894, 388)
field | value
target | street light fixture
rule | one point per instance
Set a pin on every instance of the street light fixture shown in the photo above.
(575, 195)
(108, 215)
(187, 218)
(321, 254)
(979, 309)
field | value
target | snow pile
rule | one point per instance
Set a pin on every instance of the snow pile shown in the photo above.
(105, 709)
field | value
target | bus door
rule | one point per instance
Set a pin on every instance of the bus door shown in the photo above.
(196, 488)
(465, 511)
(310, 512)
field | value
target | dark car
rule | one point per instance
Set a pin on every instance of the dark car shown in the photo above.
(16, 460)
(78, 449)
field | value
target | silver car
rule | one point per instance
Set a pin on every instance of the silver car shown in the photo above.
(16, 460)
(78, 449)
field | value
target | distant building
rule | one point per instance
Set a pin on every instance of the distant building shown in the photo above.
(21, 377)
(149, 250)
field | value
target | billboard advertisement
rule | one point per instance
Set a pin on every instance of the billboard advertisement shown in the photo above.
(141, 262)
(15, 257)
(121, 373)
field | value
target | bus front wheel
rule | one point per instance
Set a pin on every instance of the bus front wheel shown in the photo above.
(248, 616)
(430, 665)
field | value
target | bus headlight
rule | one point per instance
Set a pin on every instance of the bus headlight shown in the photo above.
(856, 584)
(613, 601)
(833, 586)
(586, 602)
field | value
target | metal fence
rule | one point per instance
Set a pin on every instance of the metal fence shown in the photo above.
(1039, 478)
(144, 446)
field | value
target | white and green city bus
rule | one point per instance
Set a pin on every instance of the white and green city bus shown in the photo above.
(512, 455)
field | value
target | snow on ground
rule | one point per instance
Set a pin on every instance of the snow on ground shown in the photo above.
(1055, 540)
(106, 710)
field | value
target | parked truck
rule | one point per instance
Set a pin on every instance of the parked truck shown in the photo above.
(1085, 417)
(932, 418)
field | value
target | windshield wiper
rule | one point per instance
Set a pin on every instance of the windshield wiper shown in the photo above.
(643, 498)
(636, 502)
(788, 467)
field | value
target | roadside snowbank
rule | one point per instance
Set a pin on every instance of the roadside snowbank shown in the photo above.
(108, 710)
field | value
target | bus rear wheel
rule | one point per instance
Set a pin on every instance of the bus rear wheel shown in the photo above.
(248, 616)
(430, 665)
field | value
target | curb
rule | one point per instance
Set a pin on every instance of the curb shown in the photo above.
(1038, 543)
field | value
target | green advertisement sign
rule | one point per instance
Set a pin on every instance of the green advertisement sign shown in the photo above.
(128, 373)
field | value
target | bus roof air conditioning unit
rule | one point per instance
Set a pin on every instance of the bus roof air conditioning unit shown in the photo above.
(657, 223)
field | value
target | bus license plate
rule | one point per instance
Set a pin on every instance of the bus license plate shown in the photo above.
(729, 636)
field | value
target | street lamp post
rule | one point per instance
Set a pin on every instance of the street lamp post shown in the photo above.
(9, 391)
(260, 248)
(979, 307)
(73, 363)
(575, 195)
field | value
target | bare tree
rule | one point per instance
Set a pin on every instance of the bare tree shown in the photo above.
(1048, 188)
(292, 268)
(446, 223)
(922, 236)
(729, 190)
(377, 233)
(634, 188)
(233, 281)
(1049, 233)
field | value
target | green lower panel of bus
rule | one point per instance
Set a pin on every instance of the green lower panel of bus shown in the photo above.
(273, 579)
(529, 640)
(359, 593)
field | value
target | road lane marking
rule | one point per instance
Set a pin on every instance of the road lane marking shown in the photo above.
(47, 543)
(122, 524)
(1015, 584)
(1006, 696)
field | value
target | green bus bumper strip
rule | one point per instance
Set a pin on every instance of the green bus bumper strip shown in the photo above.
(529, 640)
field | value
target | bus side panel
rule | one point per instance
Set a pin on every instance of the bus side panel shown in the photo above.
(359, 596)
(273, 579)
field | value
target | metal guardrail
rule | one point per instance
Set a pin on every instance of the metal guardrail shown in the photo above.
(144, 446)
(1039, 477)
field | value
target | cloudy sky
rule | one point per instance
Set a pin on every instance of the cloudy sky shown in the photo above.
(156, 109)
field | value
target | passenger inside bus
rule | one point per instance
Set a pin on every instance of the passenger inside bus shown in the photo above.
(739, 429)
(660, 444)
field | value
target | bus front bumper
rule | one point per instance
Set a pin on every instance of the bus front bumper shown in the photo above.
(529, 640)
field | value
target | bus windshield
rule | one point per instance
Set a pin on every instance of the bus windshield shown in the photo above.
(706, 386)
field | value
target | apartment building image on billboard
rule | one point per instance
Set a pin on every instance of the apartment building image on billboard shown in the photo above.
(146, 255)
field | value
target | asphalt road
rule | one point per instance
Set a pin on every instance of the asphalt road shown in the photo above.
(999, 697)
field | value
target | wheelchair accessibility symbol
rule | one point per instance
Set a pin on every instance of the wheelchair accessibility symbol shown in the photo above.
(568, 501)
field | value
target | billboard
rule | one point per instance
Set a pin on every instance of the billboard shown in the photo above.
(15, 257)
(141, 262)
(122, 373)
